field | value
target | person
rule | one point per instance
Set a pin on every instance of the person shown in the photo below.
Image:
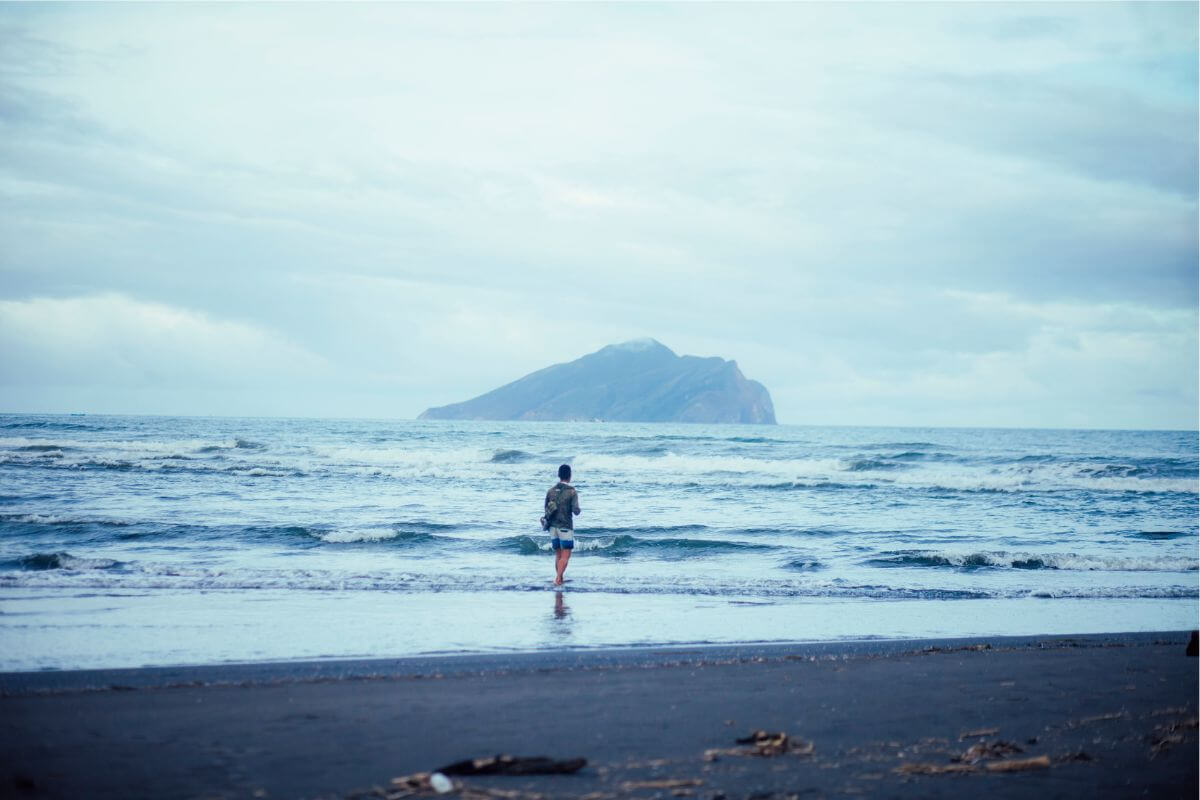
(562, 520)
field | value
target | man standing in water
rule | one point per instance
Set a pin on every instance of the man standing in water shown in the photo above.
(561, 520)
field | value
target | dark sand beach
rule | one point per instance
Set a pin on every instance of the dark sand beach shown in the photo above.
(1086, 716)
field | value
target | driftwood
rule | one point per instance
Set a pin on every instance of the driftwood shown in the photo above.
(662, 783)
(1014, 765)
(1018, 765)
(514, 765)
(933, 769)
(764, 744)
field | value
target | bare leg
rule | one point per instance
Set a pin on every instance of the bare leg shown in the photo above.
(560, 564)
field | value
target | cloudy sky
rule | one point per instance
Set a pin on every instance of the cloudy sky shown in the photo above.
(913, 214)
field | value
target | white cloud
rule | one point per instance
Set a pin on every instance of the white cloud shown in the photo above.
(1070, 365)
(877, 210)
(126, 346)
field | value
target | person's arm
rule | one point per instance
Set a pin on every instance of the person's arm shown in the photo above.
(575, 503)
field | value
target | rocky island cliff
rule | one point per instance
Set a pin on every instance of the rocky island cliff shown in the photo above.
(638, 381)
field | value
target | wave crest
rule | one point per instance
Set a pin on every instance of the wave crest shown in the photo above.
(48, 561)
(1061, 561)
(625, 545)
(509, 457)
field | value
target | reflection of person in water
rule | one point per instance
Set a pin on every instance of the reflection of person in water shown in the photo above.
(560, 608)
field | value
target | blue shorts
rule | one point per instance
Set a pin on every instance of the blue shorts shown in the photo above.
(562, 538)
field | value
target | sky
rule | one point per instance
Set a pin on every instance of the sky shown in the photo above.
(921, 214)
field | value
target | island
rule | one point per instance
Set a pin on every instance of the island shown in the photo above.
(637, 381)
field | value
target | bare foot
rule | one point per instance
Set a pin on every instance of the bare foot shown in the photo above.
(558, 580)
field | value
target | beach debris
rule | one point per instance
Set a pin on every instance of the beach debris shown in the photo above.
(662, 783)
(763, 744)
(962, 768)
(982, 757)
(1193, 647)
(981, 751)
(765, 740)
(413, 783)
(1122, 714)
(964, 648)
(962, 737)
(1018, 765)
(405, 786)
(425, 784)
(918, 768)
(1078, 755)
(1168, 735)
(514, 765)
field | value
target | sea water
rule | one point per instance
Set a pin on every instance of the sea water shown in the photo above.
(128, 541)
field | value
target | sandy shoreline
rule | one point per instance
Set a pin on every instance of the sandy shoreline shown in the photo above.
(1113, 715)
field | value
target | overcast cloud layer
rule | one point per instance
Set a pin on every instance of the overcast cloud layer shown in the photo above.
(915, 214)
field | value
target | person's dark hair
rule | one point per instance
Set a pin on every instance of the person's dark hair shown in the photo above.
(564, 472)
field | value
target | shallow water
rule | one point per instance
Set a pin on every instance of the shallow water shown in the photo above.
(154, 540)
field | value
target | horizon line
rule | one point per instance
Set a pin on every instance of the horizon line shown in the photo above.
(587, 422)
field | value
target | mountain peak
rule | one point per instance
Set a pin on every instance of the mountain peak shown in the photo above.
(641, 345)
(641, 380)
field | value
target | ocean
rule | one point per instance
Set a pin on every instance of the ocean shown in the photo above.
(143, 540)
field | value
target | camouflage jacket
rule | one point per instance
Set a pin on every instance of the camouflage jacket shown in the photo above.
(568, 506)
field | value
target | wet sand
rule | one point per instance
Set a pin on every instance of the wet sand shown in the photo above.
(1113, 716)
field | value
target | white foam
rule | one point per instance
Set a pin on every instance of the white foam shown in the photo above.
(403, 462)
(814, 472)
(83, 573)
(347, 536)
(59, 519)
(673, 463)
(1061, 561)
(76, 563)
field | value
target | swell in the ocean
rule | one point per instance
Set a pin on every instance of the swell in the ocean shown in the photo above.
(183, 505)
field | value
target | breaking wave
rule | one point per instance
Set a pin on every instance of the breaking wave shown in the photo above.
(63, 571)
(625, 545)
(730, 513)
(803, 565)
(48, 561)
(1063, 561)
(667, 461)
(510, 457)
